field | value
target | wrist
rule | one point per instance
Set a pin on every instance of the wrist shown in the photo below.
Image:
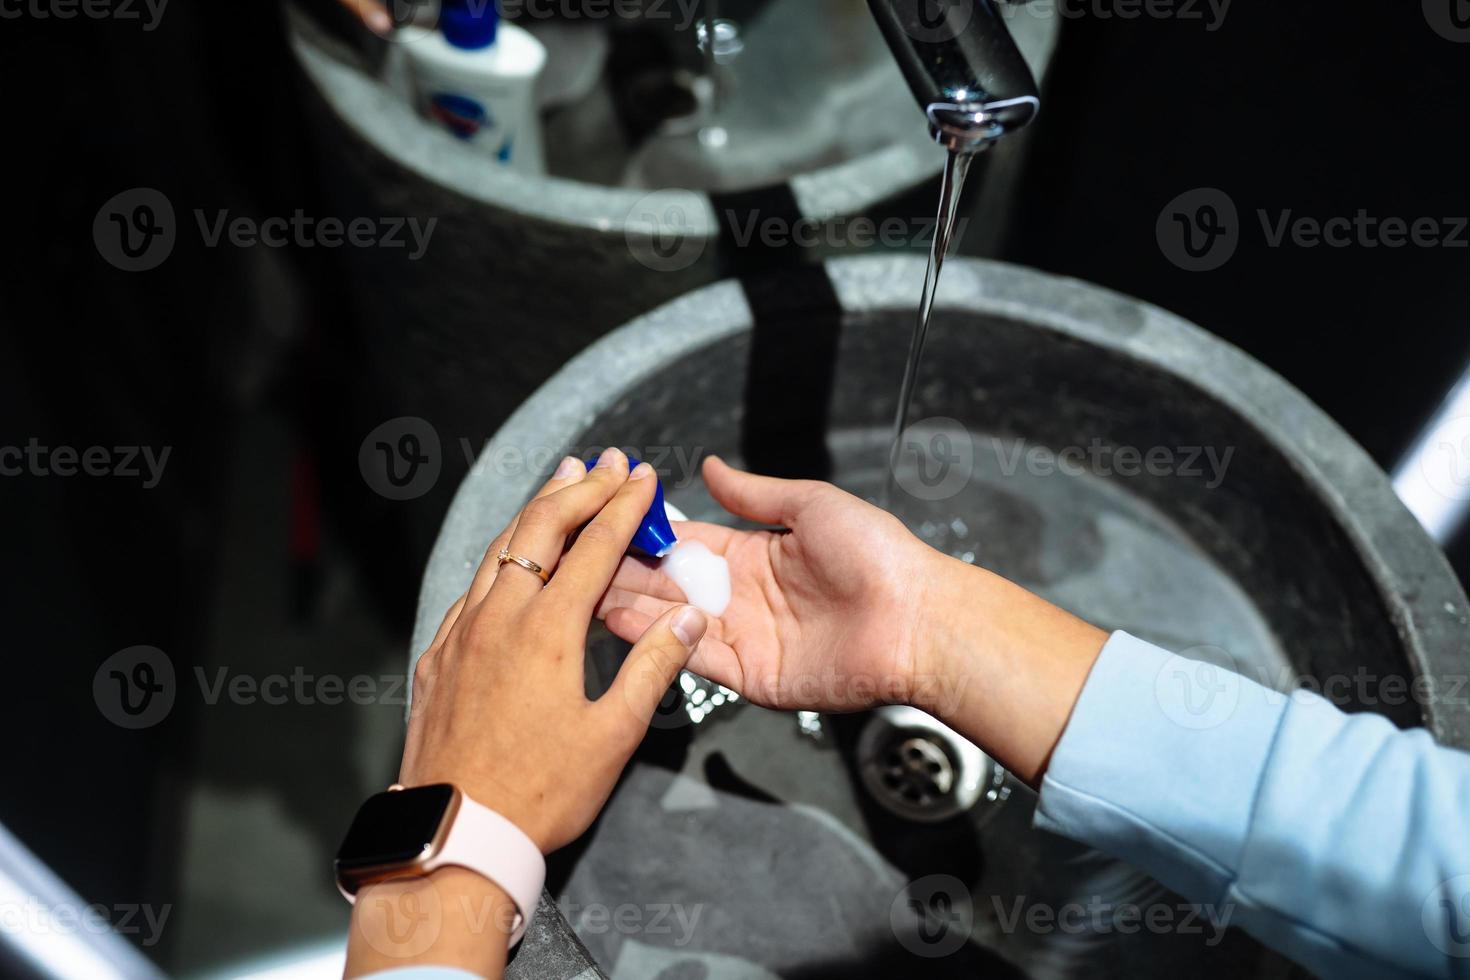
(949, 635)
(495, 790)
(449, 917)
(1001, 666)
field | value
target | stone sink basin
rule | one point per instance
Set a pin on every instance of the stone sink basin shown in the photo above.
(1119, 461)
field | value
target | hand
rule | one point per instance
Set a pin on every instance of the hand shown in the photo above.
(848, 609)
(500, 709)
(373, 15)
(827, 617)
(499, 704)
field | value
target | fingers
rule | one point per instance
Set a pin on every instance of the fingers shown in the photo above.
(756, 498)
(568, 472)
(620, 598)
(588, 568)
(449, 619)
(640, 575)
(423, 671)
(655, 661)
(373, 15)
(543, 528)
(713, 659)
(630, 624)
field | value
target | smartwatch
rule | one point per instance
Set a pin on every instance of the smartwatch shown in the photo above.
(406, 833)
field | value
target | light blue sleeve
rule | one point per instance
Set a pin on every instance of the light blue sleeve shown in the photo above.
(1336, 839)
(423, 973)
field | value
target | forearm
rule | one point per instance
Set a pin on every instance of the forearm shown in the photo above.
(452, 917)
(1002, 666)
(1334, 838)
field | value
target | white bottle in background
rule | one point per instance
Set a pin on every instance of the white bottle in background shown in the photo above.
(476, 77)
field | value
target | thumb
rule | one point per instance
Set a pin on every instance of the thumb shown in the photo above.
(656, 659)
(764, 499)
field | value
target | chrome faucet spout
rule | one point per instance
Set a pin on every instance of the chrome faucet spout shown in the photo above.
(963, 67)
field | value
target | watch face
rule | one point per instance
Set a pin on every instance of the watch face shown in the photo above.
(395, 827)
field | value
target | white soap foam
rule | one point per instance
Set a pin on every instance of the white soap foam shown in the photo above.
(703, 575)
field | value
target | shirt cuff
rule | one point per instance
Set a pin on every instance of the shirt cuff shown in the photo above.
(1161, 763)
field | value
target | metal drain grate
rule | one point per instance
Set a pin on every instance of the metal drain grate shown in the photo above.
(919, 769)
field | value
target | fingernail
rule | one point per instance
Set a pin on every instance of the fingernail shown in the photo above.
(689, 626)
(609, 456)
(380, 22)
(569, 468)
(641, 472)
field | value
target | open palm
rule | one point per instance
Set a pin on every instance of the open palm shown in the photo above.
(821, 616)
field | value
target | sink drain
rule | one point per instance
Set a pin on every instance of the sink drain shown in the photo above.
(918, 772)
(920, 769)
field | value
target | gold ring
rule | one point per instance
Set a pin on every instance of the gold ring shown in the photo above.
(526, 563)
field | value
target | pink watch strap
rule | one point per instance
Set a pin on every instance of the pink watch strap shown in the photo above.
(488, 844)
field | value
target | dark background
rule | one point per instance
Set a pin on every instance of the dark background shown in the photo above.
(1322, 108)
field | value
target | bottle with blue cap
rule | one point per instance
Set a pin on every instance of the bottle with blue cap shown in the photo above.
(476, 77)
(655, 537)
